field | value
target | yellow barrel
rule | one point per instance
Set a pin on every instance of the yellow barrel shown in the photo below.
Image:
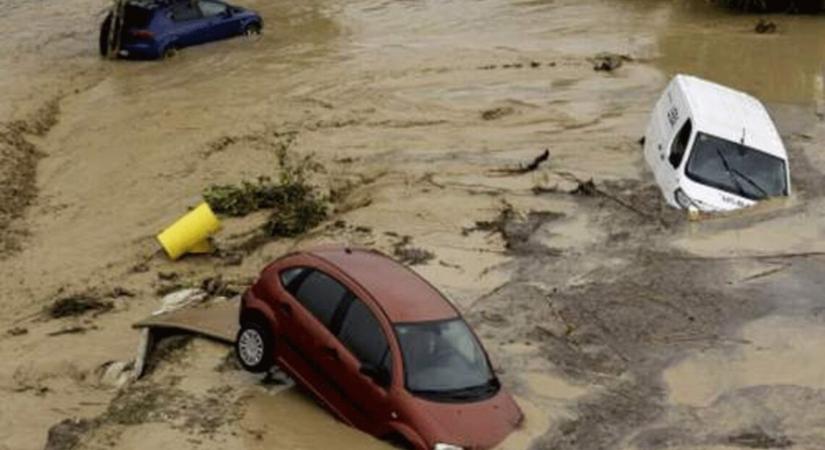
(190, 233)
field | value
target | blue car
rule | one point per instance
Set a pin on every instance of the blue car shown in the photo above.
(152, 29)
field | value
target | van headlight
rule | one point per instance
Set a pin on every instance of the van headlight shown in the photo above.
(440, 446)
(683, 200)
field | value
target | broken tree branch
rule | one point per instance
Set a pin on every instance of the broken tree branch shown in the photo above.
(522, 169)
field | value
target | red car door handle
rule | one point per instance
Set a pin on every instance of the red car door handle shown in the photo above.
(329, 352)
(285, 307)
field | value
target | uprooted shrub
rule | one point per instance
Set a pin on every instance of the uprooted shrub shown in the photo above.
(296, 205)
(78, 305)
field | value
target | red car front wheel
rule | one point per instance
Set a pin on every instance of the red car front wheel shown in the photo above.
(253, 346)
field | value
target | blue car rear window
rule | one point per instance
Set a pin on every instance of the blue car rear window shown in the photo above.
(135, 16)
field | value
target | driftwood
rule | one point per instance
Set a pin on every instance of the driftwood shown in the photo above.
(532, 166)
(588, 189)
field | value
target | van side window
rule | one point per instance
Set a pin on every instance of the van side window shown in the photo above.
(362, 334)
(321, 295)
(680, 143)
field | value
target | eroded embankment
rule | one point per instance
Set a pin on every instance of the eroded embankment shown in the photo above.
(19, 156)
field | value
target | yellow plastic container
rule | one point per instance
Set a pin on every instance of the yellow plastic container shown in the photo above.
(190, 234)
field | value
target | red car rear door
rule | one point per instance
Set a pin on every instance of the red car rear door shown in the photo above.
(280, 289)
(312, 312)
(361, 363)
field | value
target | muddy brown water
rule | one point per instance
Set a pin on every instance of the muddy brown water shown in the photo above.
(401, 88)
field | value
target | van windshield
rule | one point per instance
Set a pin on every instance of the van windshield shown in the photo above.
(736, 168)
(444, 361)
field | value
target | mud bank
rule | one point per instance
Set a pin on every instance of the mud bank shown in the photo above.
(18, 170)
(598, 303)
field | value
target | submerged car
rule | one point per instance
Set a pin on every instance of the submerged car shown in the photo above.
(154, 29)
(712, 148)
(379, 346)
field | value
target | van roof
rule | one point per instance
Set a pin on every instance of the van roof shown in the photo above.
(731, 114)
(401, 293)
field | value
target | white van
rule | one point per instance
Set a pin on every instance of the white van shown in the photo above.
(712, 148)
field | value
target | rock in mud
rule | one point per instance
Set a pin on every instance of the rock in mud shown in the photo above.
(608, 62)
(765, 27)
(17, 331)
(78, 305)
(217, 287)
(586, 188)
(66, 434)
(496, 113)
(117, 373)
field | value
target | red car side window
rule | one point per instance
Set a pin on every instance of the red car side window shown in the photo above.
(361, 333)
(321, 295)
(291, 278)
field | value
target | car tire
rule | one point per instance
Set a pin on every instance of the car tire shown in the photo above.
(103, 39)
(253, 347)
(169, 52)
(252, 29)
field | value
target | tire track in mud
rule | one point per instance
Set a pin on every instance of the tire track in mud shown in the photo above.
(19, 157)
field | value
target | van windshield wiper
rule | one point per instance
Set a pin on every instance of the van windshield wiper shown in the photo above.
(730, 171)
(751, 182)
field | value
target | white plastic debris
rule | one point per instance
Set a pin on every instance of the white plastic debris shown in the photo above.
(181, 299)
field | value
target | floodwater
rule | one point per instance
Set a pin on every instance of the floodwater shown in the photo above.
(773, 351)
(397, 87)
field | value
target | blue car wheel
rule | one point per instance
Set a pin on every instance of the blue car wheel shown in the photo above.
(252, 29)
(170, 51)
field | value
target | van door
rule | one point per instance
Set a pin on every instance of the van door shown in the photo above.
(676, 152)
(659, 134)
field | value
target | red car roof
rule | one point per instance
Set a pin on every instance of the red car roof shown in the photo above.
(401, 293)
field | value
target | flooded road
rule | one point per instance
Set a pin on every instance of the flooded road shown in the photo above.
(415, 106)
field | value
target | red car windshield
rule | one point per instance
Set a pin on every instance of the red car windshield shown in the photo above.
(444, 360)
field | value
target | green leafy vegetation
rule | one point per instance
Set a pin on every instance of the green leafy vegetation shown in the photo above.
(296, 205)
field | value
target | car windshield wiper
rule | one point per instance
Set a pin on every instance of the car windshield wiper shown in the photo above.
(489, 386)
(469, 392)
(730, 171)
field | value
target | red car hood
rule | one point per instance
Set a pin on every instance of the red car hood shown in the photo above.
(476, 426)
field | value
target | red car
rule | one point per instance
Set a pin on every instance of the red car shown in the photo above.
(377, 345)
